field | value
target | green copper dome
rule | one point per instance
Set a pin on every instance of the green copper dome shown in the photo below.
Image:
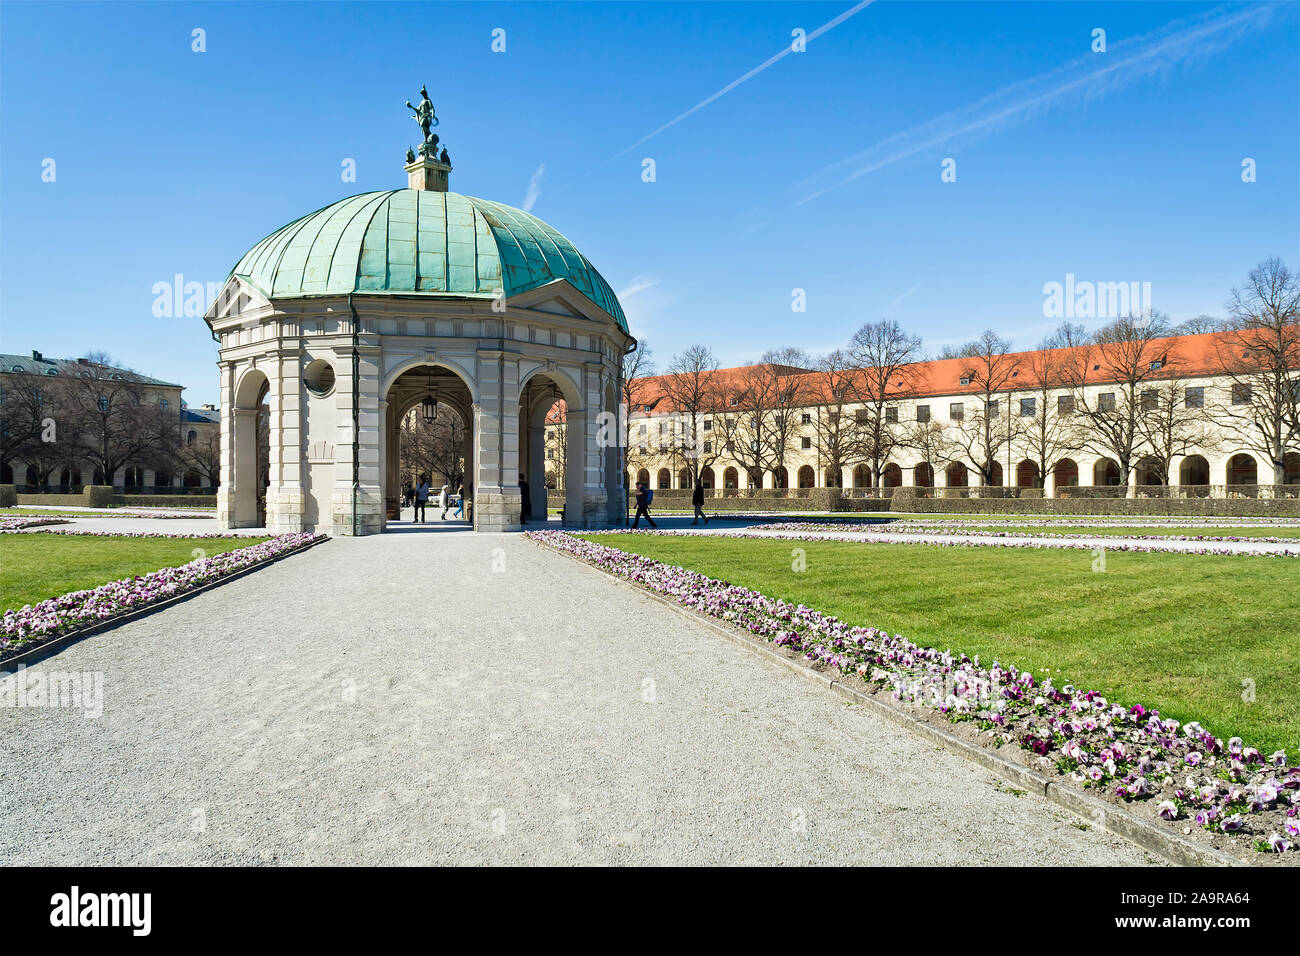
(409, 241)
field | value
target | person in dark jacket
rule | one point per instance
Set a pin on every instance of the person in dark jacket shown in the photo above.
(697, 499)
(642, 501)
(525, 506)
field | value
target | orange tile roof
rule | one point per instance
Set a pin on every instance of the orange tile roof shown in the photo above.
(1187, 356)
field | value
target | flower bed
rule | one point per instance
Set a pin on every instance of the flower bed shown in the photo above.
(1045, 535)
(122, 534)
(858, 537)
(34, 624)
(1127, 754)
(21, 524)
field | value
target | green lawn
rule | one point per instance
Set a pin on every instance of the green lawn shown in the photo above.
(34, 567)
(1176, 632)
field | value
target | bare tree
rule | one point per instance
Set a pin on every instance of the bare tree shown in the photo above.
(203, 455)
(1173, 423)
(837, 431)
(117, 423)
(1200, 325)
(792, 391)
(1046, 431)
(931, 442)
(758, 425)
(638, 372)
(1260, 353)
(886, 358)
(990, 367)
(1121, 358)
(28, 404)
(433, 448)
(692, 389)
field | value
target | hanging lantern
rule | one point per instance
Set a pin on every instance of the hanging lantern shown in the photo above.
(429, 407)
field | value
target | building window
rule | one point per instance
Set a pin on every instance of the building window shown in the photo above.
(891, 414)
(642, 429)
(922, 413)
(189, 439)
(861, 414)
(1028, 407)
(1106, 401)
(1065, 404)
(956, 412)
(1240, 394)
(734, 402)
(965, 379)
(103, 403)
(162, 403)
(1157, 364)
(708, 448)
(806, 443)
(991, 408)
(805, 419)
(1150, 400)
(1194, 398)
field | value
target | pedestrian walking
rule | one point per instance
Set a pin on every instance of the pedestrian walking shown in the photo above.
(642, 503)
(443, 500)
(421, 499)
(697, 499)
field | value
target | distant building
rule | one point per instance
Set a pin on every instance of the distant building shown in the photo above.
(64, 419)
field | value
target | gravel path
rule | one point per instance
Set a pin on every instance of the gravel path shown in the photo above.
(455, 698)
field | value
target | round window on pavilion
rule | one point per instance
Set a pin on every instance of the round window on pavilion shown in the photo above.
(318, 376)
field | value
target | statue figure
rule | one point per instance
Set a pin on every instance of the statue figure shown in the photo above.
(410, 155)
(426, 119)
(444, 158)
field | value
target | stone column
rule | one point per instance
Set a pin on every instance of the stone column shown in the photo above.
(496, 490)
(285, 501)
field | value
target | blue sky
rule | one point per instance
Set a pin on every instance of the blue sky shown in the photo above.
(820, 172)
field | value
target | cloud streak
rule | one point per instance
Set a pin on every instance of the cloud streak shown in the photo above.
(828, 25)
(534, 188)
(1086, 78)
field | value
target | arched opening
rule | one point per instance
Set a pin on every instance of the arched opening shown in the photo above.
(664, 479)
(781, 477)
(707, 480)
(1291, 468)
(70, 478)
(892, 476)
(192, 479)
(33, 477)
(1194, 475)
(132, 478)
(730, 478)
(428, 429)
(995, 479)
(1151, 471)
(834, 478)
(643, 477)
(1242, 470)
(250, 443)
(162, 478)
(1065, 473)
(957, 475)
(6, 474)
(807, 477)
(684, 478)
(1105, 472)
(861, 476)
(553, 434)
(1027, 474)
(923, 475)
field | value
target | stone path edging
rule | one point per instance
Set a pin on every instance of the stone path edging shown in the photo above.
(55, 644)
(1173, 847)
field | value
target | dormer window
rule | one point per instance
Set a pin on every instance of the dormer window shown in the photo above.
(965, 379)
(1156, 364)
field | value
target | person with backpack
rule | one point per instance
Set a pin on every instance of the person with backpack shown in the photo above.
(421, 500)
(697, 499)
(643, 498)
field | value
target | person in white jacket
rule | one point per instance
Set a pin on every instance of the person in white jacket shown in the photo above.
(442, 502)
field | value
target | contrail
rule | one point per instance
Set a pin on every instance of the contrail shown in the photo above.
(828, 25)
(534, 188)
(1152, 52)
